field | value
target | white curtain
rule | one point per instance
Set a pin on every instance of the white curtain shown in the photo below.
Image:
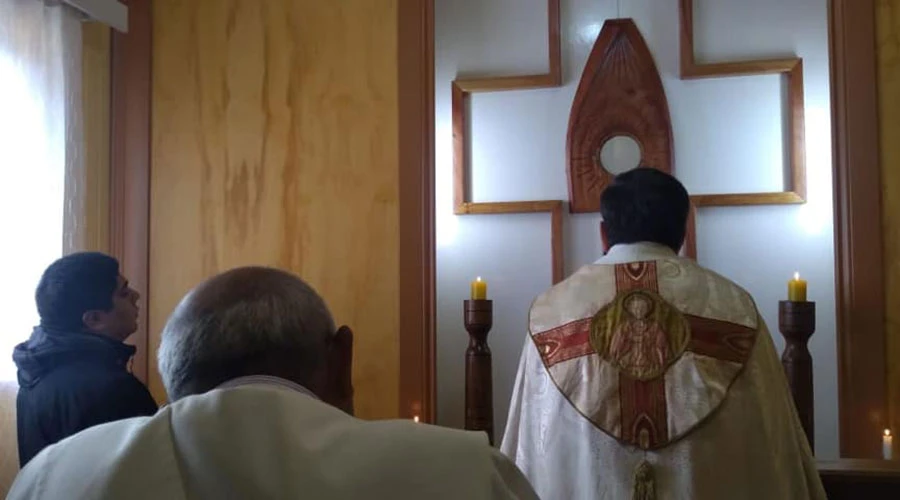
(40, 143)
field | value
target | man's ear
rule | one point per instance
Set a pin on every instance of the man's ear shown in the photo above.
(343, 348)
(604, 238)
(92, 320)
(340, 362)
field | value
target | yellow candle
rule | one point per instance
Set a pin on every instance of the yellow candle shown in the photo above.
(479, 289)
(797, 289)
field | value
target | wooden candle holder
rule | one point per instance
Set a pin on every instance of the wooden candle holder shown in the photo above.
(797, 323)
(478, 319)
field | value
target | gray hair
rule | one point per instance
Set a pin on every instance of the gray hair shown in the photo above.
(242, 322)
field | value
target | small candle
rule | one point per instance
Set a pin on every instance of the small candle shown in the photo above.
(797, 289)
(416, 410)
(887, 445)
(479, 289)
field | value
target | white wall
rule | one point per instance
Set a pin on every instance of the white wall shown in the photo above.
(728, 138)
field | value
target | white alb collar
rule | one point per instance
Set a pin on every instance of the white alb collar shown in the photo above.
(633, 252)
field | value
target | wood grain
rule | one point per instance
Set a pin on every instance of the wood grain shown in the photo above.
(620, 94)
(509, 207)
(859, 271)
(745, 199)
(792, 68)
(462, 189)
(887, 20)
(129, 205)
(504, 83)
(741, 68)
(275, 142)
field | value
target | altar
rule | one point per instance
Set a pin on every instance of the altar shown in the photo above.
(527, 144)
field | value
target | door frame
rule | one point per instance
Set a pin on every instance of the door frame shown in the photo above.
(858, 239)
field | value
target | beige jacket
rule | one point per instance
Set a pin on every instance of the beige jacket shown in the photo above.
(268, 442)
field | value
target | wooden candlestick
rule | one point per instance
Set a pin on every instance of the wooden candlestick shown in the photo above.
(797, 323)
(478, 318)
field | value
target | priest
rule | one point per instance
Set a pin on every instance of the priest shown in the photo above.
(646, 376)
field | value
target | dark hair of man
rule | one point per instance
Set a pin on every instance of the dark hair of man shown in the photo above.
(73, 285)
(645, 205)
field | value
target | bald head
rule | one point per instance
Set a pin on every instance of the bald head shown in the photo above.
(247, 321)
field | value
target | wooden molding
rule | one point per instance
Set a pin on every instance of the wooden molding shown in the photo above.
(552, 207)
(792, 68)
(129, 210)
(417, 244)
(859, 280)
(462, 189)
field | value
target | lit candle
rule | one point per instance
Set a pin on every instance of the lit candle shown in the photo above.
(887, 445)
(797, 289)
(416, 410)
(479, 289)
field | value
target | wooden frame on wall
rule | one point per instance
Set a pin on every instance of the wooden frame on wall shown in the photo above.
(792, 68)
(131, 101)
(462, 189)
(859, 281)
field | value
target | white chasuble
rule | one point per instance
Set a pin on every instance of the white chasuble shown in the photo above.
(648, 377)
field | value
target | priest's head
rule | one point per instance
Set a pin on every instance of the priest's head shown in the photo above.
(256, 321)
(644, 205)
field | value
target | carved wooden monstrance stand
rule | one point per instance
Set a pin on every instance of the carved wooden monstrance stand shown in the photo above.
(620, 94)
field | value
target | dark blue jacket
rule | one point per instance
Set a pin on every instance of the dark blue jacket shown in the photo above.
(69, 381)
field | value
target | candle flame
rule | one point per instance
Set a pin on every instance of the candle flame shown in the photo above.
(416, 419)
(887, 433)
(478, 278)
(796, 275)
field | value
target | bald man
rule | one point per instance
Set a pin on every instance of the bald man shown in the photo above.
(259, 379)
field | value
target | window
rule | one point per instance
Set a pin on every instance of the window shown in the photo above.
(39, 109)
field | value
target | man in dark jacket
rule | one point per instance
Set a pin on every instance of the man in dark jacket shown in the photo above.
(73, 371)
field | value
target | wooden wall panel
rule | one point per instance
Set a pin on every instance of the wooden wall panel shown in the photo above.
(275, 141)
(888, 32)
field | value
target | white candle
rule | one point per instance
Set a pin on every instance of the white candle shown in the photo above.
(887, 445)
(416, 419)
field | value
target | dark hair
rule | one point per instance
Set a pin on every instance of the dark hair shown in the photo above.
(73, 285)
(645, 204)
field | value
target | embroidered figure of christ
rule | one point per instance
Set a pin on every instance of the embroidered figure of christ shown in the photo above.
(640, 334)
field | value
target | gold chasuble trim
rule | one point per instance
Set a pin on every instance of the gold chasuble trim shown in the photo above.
(643, 338)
